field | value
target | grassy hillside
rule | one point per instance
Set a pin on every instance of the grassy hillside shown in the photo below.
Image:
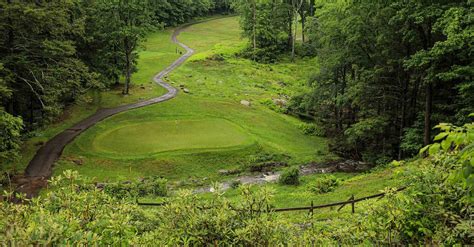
(198, 133)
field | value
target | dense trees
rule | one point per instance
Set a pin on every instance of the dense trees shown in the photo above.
(388, 72)
(272, 25)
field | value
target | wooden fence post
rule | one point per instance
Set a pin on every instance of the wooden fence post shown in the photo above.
(353, 204)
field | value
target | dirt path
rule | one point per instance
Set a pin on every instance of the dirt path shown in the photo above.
(40, 167)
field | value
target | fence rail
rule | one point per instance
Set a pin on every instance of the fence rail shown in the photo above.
(352, 200)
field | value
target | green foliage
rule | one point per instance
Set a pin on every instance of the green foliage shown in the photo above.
(265, 23)
(264, 161)
(311, 129)
(435, 209)
(69, 215)
(412, 140)
(10, 136)
(40, 61)
(375, 86)
(324, 184)
(152, 186)
(290, 176)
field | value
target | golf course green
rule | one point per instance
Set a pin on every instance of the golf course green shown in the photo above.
(148, 138)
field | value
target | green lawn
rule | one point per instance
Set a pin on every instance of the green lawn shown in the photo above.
(148, 138)
(157, 53)
(215, 130)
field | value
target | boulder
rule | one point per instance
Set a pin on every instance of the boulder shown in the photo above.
(280, 102)
(245, 103)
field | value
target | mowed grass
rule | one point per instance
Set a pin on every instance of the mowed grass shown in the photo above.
(148, 138)
(156, 53)
(217, 131)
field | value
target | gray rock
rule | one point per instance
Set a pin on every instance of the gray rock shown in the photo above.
(245, 103)
(280, 102)
(186, 90)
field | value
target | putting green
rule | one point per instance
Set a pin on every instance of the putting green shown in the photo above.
(170, 135)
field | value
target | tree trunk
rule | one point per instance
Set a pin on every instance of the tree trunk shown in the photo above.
(428, 106)
(303, 11)
(254, 6)
(293, 39)
(128, 71)
(311, 7)
(403, 114)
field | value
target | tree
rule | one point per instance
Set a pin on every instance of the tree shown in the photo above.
(128, 22)
(383, 66)
(39, 55)
(10, 127)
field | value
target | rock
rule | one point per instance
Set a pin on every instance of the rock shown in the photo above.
(280, 102)
(224, 172)
(78, 162)
(245, 103)
(186, 90)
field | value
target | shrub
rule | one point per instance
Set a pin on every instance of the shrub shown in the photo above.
(324, 184)
(272, 106)
(310, 129)
(290, 176)
(265, 161)
(235, 184)
(153, 186)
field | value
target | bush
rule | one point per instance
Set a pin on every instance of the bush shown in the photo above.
(290, 176)
(153, 186)
(310, 129)
(265, 161)
(324, 184)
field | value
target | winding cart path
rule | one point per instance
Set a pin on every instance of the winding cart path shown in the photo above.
(40, 167)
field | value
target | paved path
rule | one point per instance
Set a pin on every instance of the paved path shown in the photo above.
(40, 167)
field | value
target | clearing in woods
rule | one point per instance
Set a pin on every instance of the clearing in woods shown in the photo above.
(207, 129)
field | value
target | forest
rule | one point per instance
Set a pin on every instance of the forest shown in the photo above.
(216, 114)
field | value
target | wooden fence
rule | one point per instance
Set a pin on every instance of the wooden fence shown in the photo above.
(352, 200)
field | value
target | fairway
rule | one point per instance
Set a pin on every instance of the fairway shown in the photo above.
(158, 136)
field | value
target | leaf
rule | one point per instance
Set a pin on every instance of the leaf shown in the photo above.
(441, 136)
(423, 150)
(434, 148)
(445, 145)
